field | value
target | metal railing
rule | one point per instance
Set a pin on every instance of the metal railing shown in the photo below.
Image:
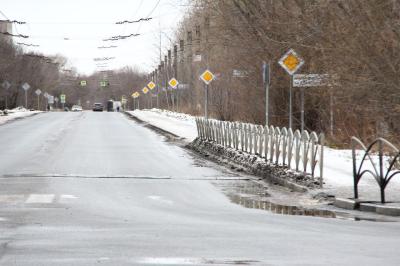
(299, 151)
(383, 171)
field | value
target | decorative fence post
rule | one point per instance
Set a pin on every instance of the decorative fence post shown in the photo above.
(266, 142)
(290, 147)
(284, 145)
(261, 139)
(305, 138)
(278, 138)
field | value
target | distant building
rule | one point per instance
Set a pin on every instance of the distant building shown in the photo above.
(6, 26)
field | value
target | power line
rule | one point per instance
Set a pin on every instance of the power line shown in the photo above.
(133, 21)
(28, 44)
(121, 37)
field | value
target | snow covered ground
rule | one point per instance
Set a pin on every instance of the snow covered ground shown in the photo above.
(338, 175)
(182, 125)
(15, 113)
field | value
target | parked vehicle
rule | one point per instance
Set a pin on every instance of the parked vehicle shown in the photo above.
(98, 107)
(76, 108)
(110, 106)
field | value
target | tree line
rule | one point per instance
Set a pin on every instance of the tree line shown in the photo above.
(53, 74)
(355, 41)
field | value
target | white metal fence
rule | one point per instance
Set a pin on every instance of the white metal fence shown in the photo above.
(299, 151)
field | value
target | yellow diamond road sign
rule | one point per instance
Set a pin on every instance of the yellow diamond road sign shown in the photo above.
(291, 62)
(151, 85)
(145, 90)
(173, 83)
(135, 94)
(207, 76)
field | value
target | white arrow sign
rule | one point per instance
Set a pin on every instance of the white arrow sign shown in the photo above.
(6, 85)
(26, 86)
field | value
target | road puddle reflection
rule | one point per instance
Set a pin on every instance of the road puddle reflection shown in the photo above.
(278, 208)
(255, 195)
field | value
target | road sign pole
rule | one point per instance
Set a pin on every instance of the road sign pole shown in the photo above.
(331, 112)
(302, 109)
(266, 80)
(6, 100)
(177, 100)
(158, 93)
(266, 104)
(291, 62)
(38, 102)
(290, 101)
(206, 102)
(158, 101)
(26, 99)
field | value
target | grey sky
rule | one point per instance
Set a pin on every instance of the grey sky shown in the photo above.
(75, 29)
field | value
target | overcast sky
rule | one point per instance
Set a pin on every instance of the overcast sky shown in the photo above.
(75, 28)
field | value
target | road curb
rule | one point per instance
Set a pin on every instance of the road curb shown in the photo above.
(389, 209)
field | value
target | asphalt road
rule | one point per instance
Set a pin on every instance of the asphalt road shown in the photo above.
(100, 189)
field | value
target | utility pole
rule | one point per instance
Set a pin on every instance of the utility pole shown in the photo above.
(182, 72)
(170, 72)
(175, 67)
(159, 83)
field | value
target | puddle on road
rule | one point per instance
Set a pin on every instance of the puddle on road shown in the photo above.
(254, 195)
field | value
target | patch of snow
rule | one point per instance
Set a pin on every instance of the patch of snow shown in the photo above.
(12, 114)
(180, 124)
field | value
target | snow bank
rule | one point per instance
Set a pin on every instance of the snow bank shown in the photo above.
(338, 169)
(182, 125)
(16, 113)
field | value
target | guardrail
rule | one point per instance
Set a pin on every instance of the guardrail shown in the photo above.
(299, 151)
(383, 171)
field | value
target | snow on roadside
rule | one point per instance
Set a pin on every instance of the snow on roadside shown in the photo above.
(16, 113)
(338, 171)
(182, 125)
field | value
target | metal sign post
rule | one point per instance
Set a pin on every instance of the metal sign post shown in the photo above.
(291, 62)
(266, 80)
(26, 87)
(62, 100)
(38, 92)
(56, 101)
(173, 83)
(6, 85)
(207, 77)
(310, 80)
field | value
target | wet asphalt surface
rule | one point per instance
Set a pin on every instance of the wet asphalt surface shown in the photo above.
(100, 189)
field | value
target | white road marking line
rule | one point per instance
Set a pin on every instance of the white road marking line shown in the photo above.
(64, 196)
(160, 199)
(40, 198)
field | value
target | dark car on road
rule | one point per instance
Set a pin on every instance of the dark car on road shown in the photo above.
(98, 107)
